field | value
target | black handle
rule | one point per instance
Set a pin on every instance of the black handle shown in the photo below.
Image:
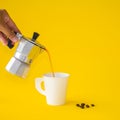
(35, 36)
(10, 45)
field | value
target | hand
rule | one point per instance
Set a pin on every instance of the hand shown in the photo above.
(7, 28)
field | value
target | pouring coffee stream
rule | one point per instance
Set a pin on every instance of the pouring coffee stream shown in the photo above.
(51, 65)
(25, 53)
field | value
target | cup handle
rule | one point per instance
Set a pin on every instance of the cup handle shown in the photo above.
(38, 82)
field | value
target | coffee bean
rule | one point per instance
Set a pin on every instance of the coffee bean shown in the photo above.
(92, 105)
(78, 105)
(82, 107)
(87, 106)
(82, 104)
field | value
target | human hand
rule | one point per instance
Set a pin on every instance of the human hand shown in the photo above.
(7, 28)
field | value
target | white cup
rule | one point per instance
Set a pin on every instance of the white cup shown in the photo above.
(55, 87)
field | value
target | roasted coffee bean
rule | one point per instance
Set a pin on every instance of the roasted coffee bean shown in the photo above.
(82, 104)
(82, 107)
(92, 105)
(78, 105)
(87, 106)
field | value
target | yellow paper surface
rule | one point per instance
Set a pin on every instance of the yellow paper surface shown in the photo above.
(83, 38)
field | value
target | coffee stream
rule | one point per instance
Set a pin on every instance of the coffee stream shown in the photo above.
(51, 65)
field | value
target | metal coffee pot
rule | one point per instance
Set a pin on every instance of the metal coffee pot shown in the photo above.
(25, 53)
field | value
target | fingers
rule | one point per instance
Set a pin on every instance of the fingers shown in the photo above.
(8, 32)
(7, 27)
(3, 39)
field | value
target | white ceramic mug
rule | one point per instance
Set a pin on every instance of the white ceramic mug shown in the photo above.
(55, 87)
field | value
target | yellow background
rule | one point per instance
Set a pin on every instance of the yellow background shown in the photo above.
(83, 37)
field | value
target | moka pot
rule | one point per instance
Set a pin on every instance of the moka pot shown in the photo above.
(25, 53)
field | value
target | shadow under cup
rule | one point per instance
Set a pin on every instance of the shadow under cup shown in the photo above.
(55, 87)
